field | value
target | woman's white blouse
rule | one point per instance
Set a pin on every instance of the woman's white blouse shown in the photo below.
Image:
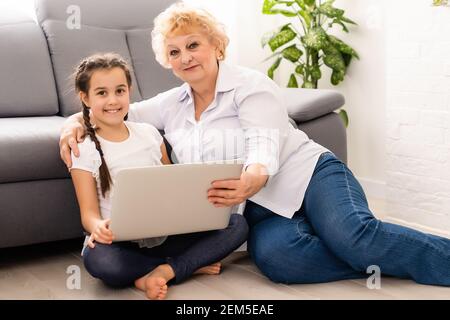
(247, 121)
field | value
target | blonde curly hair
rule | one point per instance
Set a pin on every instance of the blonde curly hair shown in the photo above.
(185, 18)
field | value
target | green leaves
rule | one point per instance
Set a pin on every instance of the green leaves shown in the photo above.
(316, 74)
(328, 10)
(306, 16)
(300, 69)
(440, 2)
(337, 15)
(335, 61)
(278, 39)
(308, 85)
(301, 4)
(337, 21)
(342, 46)
(285, 35)
(338, 56)
(273, 68)
(310, 2)
(344, 117)
(316, 38)
(268, 5)
(292, 53)
(269, 8)
(292, 82)
(337, 76)
(344, 19)
(311, 47)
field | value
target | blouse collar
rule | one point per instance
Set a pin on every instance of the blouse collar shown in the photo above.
(226, 81)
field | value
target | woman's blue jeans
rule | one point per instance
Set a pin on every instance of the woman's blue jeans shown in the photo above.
(334, 236)
(120, 264)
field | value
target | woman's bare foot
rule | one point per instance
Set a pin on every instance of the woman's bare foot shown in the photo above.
(211, 269)
(155, 283)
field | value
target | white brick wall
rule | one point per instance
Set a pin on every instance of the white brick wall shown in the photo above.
(418, 114)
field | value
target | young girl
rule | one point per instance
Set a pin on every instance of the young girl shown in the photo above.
(103, 83)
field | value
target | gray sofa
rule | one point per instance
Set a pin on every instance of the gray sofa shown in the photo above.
(37, 199)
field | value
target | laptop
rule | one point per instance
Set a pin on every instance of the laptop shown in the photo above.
(168, 199)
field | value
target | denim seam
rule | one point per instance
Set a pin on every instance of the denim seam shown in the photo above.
(303, 234)
(351, 199)
(349, 192)
(429, 245)
(412, 240)
(268, 258)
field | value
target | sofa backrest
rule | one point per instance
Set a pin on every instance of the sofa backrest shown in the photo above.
(27, 85)
(123, 27)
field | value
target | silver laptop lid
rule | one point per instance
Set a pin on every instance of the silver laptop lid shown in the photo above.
(168, 199)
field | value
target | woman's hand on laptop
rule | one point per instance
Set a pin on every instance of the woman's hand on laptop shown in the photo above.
(101, 234)
(227, 193)
(71, 134)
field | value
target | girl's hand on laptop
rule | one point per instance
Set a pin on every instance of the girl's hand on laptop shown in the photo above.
(101, 234)
(227, 193)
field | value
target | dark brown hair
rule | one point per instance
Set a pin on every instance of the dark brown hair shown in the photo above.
(83, 76)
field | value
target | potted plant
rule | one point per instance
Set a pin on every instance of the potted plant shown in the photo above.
(440, 3)
(308, 46)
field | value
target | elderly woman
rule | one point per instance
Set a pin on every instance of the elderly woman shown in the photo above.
(308, 215)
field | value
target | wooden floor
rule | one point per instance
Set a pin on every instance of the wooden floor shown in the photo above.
(39, 272)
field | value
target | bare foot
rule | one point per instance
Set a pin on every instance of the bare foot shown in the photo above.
(211, 269)
(155, 283)
(155, 287)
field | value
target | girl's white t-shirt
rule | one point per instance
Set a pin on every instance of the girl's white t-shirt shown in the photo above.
(141, 148)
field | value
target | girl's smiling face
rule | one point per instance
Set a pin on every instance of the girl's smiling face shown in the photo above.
(108, 97)
(192, 56)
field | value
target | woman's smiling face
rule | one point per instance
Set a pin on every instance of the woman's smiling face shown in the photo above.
(108, 96)
(192, 56)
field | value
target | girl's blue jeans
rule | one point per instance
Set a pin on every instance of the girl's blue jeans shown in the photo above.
(335, 236)
(120, 264)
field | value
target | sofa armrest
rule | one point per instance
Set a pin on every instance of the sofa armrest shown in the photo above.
(307, 104)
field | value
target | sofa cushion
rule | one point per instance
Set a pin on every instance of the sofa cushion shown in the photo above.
(307, 104)
(137, 24)
(29, 149)
(38, 211)
(136, 14)
(27, 85)
(83, 42)
(151, 76)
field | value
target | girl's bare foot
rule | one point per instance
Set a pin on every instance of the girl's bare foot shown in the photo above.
(211, 269)
(155, 283)
(155, 287)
